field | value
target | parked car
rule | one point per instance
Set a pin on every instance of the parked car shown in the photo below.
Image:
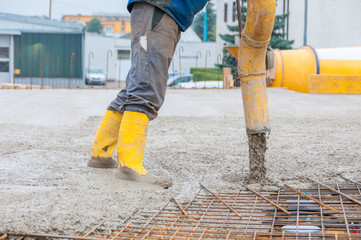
(200, 84)
(174, 80)
(186, 81)
(172, 74)
(94, 76)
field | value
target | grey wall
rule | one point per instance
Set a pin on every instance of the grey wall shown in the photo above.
(330, 23)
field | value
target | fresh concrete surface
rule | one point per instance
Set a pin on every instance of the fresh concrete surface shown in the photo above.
(199, 136)
(69, 107)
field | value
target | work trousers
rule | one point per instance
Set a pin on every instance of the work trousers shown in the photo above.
(154, 38)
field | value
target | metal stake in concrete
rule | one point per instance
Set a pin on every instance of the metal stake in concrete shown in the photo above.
(347, 179)
(180, 207)
(313, 199)
(215, 195)
(267, 200)
(334, 190)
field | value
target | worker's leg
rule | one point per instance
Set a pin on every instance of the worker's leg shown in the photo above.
(105, 141)
(153, 43)
(153, 46)
(146, 81)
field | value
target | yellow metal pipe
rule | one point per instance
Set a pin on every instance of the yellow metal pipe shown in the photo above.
(294, 69)
(251, 63)
(338, 66)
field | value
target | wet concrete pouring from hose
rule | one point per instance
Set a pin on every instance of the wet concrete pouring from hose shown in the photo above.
(257, 150)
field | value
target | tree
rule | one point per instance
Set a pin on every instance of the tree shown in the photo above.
(228, 60)
(198, 23)
(94, 26)
(278, 40)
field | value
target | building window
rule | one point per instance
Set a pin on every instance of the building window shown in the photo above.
(234, 12)
(225, 12)
(124, 54)
(108, 29)
(4, 59)
(123, 29)
(4, 67)
(4, 52)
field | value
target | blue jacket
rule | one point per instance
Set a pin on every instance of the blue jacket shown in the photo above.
(182, 11)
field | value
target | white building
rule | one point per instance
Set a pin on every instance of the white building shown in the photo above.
(330, 23)
(7, 55)
(28, 42)
(191, 51)
(109, 53)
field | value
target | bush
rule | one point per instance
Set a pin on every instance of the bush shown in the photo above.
(213, 74)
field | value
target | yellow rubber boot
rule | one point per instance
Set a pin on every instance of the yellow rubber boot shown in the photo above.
(131, 142)
(131, 145)
(106, 140)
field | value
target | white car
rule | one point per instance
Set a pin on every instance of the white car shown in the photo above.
(186, 81)
(95, 76)
(200, 84)
(179, 78)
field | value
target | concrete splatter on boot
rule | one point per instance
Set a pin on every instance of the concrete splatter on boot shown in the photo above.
(131, 146)
(105, 141)
(128, 174)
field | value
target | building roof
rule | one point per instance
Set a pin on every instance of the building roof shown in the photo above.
(126, 36)
(189, 36)
(105, 14)
(41, 21)
(9, 32)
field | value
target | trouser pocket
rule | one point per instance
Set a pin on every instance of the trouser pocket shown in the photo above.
(157, 17)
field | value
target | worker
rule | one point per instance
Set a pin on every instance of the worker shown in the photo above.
(156, 27)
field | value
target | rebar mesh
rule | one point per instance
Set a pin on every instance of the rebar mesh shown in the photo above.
(209, 218)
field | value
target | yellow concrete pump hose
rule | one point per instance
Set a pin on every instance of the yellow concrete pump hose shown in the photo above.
(251, 63)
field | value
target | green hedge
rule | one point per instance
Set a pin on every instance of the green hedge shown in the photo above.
(213, 74)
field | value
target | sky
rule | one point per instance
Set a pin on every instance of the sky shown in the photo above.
(62, 7)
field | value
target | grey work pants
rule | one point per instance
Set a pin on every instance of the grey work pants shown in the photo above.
(152, 50)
